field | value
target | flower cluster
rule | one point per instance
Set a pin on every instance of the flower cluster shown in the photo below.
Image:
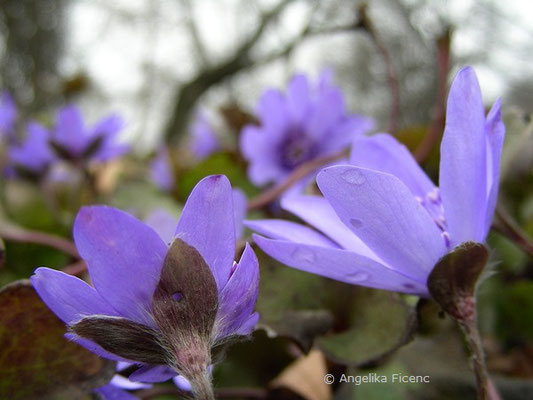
(70, 140)
(382, 223)
(306, 123)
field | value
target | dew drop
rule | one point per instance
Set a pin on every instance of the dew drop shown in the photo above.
(177, 296)
(409, 286)
(358, 276)
(303, 255)
(354, 177)
(356, 223)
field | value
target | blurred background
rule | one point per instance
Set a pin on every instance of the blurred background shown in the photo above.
(155, 61)
(159, 63)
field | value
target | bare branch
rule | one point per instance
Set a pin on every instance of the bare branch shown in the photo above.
(17, 234)
(189, 93)
(269, 195)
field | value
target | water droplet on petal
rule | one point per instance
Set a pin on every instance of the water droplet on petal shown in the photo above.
(353, 176)
(356, 223)
(304, 255)
(358, 276)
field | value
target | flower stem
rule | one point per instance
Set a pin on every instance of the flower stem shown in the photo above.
(471, 334)
(202, 387)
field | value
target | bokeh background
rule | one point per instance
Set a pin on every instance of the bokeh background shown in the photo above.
(158, 63)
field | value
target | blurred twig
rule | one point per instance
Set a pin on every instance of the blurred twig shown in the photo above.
(17, 234)
(301, 172)
(77, 268)
(190, 92)
(366, 23)
(436, 128)
(509, 228)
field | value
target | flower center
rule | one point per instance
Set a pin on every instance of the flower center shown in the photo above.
(433, 205)
(296, 148)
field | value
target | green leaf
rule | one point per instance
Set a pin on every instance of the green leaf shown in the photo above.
(515, 312)
(220, 163)
(380, 322)
(292, 303)
(36, 361)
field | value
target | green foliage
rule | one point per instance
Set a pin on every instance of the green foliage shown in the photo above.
(379, 323)
(37, 362)
(219, 163)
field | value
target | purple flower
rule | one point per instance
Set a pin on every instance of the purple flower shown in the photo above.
(136, 296)
(204, 139)
(34, 155)
(118, 386)
(161, 171)
(305, 123)
(8, 115)
(382, 222)
(72, 140)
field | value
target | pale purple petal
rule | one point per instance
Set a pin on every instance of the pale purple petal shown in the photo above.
(69, 297)
(164, 223)
(124, 383)
(495, 134)
(70, 132)
(317, 212)
(152, 374)
(248, 326)
(463, 165)
(341, 265)
(384, 153)
(382, 211)
(124, 257)
(8, 115)
(112, 392)
(182, 383)
(298, 97)
(204, 139)
(261, 151)
(207, 224)
(35, 154)
(287, 230)
(239, 211)
(237, 299)
(272, 110)
(161, 171)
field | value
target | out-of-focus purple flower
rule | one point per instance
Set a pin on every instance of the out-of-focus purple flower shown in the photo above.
(306, 123)
(117, 388)
(161, 170)
(383, 223)
(72, 140)
(204, 141)
(129, 266)
(8, 115)
(34, 155)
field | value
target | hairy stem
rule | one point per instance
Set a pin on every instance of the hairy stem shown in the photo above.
(471, 334)
(202, 387)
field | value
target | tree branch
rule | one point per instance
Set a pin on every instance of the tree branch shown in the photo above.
(511, 230)
(366, 23)
(189, 93)
(436, 128)
(17, 234)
